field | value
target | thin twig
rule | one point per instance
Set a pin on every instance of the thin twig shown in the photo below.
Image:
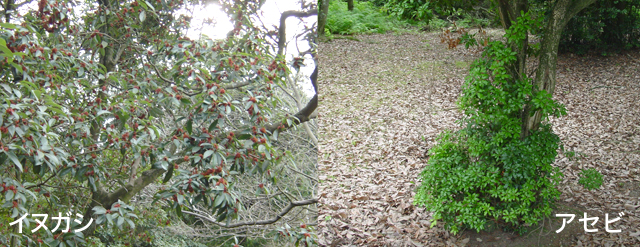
(259, 222)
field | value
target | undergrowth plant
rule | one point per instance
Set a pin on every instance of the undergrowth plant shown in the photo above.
(590, 178)
(410, 9)
(487, 172)
(365, 18)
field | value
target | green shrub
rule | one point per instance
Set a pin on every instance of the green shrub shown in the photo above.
(441, 13)
(486, 172)
(365, 18)
(590, 178)
(425, 10)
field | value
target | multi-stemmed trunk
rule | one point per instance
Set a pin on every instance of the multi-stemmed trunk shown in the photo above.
(562, 12)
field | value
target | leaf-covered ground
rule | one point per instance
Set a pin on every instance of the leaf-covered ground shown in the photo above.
(385, 98)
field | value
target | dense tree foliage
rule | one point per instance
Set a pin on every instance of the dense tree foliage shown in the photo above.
(101, 99)
(605, 25)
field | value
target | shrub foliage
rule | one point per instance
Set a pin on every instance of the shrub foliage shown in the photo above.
(486, 171)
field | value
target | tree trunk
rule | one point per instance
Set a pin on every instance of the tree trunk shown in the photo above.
(350, 5)
(509, 13)
(562, 12)
(101, 197)
(8, 7)
(322, 16)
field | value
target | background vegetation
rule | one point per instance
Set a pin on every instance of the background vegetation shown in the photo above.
(605, 26)
(365, 18)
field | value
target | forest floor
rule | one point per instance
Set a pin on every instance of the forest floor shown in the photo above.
(385, 98)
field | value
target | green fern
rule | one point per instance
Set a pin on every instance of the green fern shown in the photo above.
(364, 19)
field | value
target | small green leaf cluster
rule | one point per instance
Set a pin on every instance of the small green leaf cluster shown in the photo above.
(590, 178)
(303, 235)
(150, 230)
(487, 171)
(118, 214)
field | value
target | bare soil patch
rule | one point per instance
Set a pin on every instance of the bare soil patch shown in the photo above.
(385, 98)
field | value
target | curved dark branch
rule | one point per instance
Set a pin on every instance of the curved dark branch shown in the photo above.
(305, 114)
(302, 116)
(314, 79)
(282, 37)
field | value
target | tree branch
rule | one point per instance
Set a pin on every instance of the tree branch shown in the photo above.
(306, 113)
(259, 222)
(302, 116)
(127, 192)
(43, 182)
(282, 37)
(314, 79)
(236, 85)
(299, 106)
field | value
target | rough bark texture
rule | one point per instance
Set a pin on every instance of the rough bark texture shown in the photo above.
(545, 79)
(509, 12)
(322, 16)
(562, 12)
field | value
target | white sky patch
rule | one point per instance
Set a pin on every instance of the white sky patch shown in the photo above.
(217, 30)
(270, 16)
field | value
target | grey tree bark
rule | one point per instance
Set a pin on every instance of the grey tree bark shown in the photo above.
(323, 5)
(545, 78)
(562, 12)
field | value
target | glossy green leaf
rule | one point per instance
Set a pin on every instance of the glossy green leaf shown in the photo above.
(14, 159)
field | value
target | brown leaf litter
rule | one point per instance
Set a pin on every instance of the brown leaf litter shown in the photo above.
(384, 101)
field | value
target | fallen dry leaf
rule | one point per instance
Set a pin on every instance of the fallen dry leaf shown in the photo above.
(385, 99)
